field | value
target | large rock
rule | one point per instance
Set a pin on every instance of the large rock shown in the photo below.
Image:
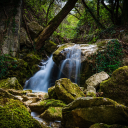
(91, 91)
(32, 59)
(9, 40)
(86, 111)
(50, 46)
(10, 83)
(52, 113)
(67, 91)
(96, 79)
(52, 92)
(24, 40)
(87, 51)
(35, 29)
(41, 106)
(14, 114)
(116, 87)
(101, 125)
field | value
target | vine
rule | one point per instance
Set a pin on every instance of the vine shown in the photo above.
(110, 59)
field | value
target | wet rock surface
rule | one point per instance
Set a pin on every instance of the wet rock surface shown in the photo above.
(87, 110)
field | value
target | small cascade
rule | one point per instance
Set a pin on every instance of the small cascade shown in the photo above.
(72, 63)
(49, 72)
(41, 80)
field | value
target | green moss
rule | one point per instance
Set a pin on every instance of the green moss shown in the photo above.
(52, 42)
(101, 125)
(10, 83)
(56, 57)
(52, 103)
(91, 94)
(52, 113)
(52, 93)
(13, 114)
(67, 91)
(116, 86)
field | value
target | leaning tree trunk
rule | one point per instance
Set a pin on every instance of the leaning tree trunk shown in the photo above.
(54, 23)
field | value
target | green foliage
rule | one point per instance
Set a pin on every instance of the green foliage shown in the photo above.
(3, 66)
(110, 59)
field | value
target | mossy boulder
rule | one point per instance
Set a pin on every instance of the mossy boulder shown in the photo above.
(86, 111)
(52, 113)
(45, 104)
(32, 59)
(24, 68)
(13, 113)
(20, 69)
(57, 57)
(67, 91)
(52, 93)
(35, 29)
(101, 125)
(116, 87)
(10, 83)
(105, 55)
(50, 46)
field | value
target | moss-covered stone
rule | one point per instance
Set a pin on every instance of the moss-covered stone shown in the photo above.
(86, 111)
(116, 87)
(56, 58)
(101, 125)
(10, 83)
(52, 92)
(45, 104)
(50, 46)
(67, 91)
(32, 59)
(34, 28)
(23, 69)
(19, 69)
(52, 113)
(13, 113)
(52, 103)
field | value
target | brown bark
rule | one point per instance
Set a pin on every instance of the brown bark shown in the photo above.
(54, 23)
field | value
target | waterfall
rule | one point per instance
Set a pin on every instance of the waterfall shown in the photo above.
(41, 80)
(72, 63)
(49, 73)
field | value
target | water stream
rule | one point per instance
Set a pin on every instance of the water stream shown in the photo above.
(49, 73)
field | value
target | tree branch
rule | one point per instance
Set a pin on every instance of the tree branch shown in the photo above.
(74, 16)
(48, 11)
(96, 20)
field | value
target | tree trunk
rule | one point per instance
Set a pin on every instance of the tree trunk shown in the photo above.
(54, 23)
(125, 12)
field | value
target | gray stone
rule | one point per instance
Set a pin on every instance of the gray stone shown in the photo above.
(86, 111)
(96, 79)
(34, 28)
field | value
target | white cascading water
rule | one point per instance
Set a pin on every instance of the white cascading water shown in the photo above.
(43, 79)
(72, 63)
(40, 81)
